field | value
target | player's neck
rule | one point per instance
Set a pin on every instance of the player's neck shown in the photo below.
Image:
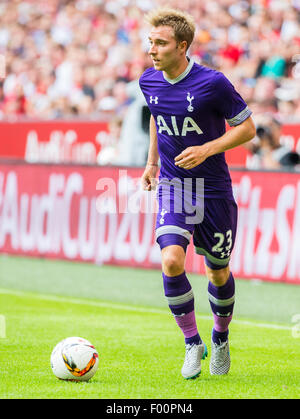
(175, 72)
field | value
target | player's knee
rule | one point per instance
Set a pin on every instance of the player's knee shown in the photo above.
(218, 277)
(173, 261)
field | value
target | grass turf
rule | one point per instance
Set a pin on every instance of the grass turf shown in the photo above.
(141, 350)
(274, 302)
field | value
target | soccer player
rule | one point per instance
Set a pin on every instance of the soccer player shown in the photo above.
(189, 104)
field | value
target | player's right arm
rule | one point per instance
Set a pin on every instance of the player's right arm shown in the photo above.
(150, 172)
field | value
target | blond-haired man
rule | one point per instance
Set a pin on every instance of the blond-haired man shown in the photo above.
(189, 104)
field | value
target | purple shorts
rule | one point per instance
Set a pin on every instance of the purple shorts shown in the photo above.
(213, 236)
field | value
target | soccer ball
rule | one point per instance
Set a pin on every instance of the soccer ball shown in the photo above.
(74, 359)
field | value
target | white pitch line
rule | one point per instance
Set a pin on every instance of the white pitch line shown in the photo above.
(93, 303)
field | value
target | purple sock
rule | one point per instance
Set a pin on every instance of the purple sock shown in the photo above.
(180, 297)
(221, 300)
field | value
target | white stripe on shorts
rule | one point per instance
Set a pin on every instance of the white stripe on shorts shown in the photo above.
(170, 229)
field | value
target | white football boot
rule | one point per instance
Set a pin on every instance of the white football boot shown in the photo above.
(192, 362)
(220, 358)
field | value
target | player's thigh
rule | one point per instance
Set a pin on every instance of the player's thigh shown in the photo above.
(217, 277)
(173, 240)
(215, 236)
(173, 233)
(173, 260)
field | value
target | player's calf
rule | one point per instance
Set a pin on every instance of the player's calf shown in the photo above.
(180, 297)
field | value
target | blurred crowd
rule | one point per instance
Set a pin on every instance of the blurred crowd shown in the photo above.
(76, 58)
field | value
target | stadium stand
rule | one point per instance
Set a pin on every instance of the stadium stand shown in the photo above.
(70, 59)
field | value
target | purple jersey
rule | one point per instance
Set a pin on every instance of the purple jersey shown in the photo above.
(191, 110)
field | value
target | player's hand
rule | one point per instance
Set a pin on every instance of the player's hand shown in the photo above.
(192, 157)
(149, 181)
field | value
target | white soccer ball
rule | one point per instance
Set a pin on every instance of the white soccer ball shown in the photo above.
(74, 359)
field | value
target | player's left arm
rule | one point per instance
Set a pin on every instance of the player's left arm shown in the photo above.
(239, 134)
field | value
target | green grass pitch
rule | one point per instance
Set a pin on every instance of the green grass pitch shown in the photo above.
(123, 312)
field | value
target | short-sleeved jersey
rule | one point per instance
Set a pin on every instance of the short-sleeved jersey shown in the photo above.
(191, 110)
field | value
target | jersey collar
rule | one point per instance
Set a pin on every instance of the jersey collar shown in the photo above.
(182, 75)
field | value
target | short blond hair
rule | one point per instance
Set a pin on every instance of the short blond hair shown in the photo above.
(182, 23)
